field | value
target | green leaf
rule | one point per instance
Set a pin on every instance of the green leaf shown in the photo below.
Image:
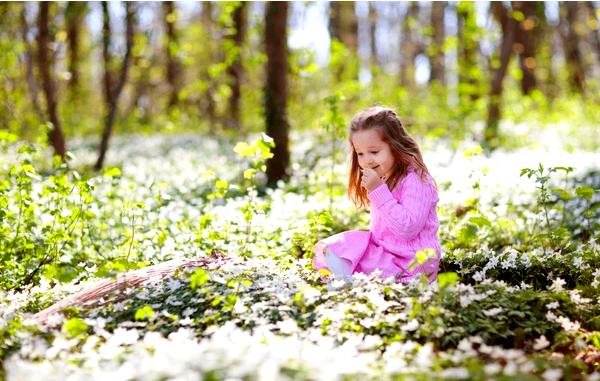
(447, 279)
(244, 149)
(74, 327)
(112, 172)
(585, 192)
(144, 313)
(198, 278)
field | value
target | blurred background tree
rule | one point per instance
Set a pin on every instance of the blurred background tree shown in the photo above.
(231, 68)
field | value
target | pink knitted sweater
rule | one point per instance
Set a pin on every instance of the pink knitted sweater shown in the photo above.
(403, 221)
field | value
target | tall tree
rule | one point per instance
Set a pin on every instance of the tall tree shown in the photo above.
(569, 31)
(74, 16)
(32, 83)
(207, 103)
(508, 25)
(171, 48)
(343, 27)
(276, 90)
(526, 42)
(113, 90)
(469, 73)
(45, 65)
(436, 49)
(409, 46)
(373, 37)
(235, 70)
(593, 20)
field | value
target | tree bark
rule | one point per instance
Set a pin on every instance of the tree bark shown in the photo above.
(593, 17)
(373, 36)
(570, 38)
(343, 27)
(276, 90)
(107, 79)
(172, 46)
(115, 91)
(509, 26)
(45, 64)
(207, 104)
(409, 48)
(74, 15)
(32, 83)
(436, 52)
(235, 71)
(526, 43)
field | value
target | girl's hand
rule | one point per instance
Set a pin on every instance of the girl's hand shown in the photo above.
(370, 179)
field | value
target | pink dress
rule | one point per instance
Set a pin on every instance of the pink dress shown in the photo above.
(403, 221)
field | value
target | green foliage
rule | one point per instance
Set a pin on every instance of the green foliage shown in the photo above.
(38, 219)
(144, 313)
(75, 327)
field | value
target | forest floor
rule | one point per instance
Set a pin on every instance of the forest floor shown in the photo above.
(517, 297)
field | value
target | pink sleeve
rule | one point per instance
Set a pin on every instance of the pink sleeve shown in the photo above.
(406, 216)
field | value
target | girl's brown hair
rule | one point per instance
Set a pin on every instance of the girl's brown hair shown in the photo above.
(404, 148)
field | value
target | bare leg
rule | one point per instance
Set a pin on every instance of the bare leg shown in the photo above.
(339, 267)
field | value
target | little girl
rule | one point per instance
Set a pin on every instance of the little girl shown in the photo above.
(386, 171)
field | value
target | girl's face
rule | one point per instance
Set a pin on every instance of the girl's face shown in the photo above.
(372, 151)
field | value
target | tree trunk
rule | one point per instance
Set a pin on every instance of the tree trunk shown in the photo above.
(343, 27)
(115, 91)
(29, 65)
(409, 47)
(276, 90)
(106, 54)
(526, 43)
(45, 64)
(74, 15)
(468, 46)
(344, 24)
(509, 26)
(207, 105)
(235, 71)
(593, 19)
(171, 49)
(373, 36)
(436, 52)
(568, 32)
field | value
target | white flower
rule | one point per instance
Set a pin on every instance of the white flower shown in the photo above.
(411, 326)
(567, 324)
(493, 311)
(186, 321)
(552, 305)
(124, 336)
(491, 369)
(557, 285)
(552, 374)
(550, 316)
(288, 326)
(541, 343)
(450, 373)
(577, 299)
(594, 377)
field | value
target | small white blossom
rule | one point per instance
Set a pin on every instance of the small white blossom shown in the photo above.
(541, 343)
(493, 311)
(552, 374)
(557, 285)
(411, 326)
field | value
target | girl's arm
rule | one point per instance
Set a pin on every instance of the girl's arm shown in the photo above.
(407, 216)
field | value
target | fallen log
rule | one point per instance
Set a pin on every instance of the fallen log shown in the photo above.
(93, 294)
